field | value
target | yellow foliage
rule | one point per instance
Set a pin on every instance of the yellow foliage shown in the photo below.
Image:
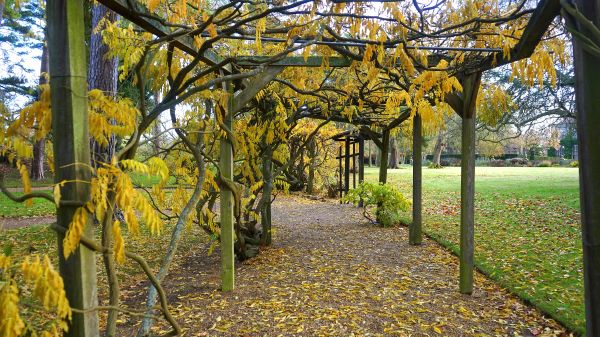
(75, 231)
(108, 117)
(25, 179)
(11, 324)
(119, 243)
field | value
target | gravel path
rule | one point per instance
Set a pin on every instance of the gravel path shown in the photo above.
(329, 273)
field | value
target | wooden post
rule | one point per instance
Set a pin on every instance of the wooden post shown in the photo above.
(361, 160)
(226, 204)
(361, 163)
(383, 161)
(415, 236)
(467, 182)
(68, 81)
(341, 188)
(587, 84)
(353, 164)
(347, 165)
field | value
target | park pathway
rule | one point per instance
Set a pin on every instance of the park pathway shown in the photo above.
(331, 274)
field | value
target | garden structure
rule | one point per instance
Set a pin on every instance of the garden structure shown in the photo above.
(438, 75)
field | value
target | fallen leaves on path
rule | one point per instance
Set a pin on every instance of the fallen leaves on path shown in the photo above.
(330, 274)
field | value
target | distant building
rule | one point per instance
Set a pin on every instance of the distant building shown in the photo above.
(569, 148)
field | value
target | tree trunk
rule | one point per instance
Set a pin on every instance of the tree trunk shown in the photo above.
(393, 163)
(467, 183)
(66, 50)
(438, 148)
(369, 158)
(587, 84)
(102, 75)
(39, 147)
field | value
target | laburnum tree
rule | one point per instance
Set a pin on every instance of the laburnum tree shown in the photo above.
(249, 89)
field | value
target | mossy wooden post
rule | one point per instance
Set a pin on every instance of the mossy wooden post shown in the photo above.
(340, 180)
(383, 161)
(467, 182)
(226, 203)
(68, 81)
(347, 165)
(265, 212)
(415, 236)
(587, 86)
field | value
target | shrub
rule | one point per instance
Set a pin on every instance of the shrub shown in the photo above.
(518, 161)
(435, 166)
(450, 162)
(545, 163)
(497, 163)
(385, 199)
(574, 163)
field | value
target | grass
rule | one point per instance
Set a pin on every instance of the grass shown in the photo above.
(527, 230)
(9, 208)
(527, 237)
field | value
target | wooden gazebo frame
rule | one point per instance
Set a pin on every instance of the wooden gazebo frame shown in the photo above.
(68, 82)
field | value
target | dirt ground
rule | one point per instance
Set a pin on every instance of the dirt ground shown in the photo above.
(11, 223)
(329, 273)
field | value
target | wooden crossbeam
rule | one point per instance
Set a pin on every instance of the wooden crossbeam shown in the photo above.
(294, 61)
(541, 18)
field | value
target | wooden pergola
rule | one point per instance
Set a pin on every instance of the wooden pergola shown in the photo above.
(347, 155)
(68, 82)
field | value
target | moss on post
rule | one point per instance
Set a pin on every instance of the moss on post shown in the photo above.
(226, 204)
(467, 182)
(415, 235)
(68, 81)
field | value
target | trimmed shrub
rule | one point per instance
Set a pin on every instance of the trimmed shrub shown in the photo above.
(574, 163)
(518, 161)
(386, 200)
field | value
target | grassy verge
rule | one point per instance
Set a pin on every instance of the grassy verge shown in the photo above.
(527, 230)
(9, 208)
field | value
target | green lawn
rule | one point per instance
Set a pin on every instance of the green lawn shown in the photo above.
(527, 229)
(9, 208)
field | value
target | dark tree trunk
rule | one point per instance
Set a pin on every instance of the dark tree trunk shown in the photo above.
(39, 147)
(102, 75)
(393, 154)
(438, 148)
